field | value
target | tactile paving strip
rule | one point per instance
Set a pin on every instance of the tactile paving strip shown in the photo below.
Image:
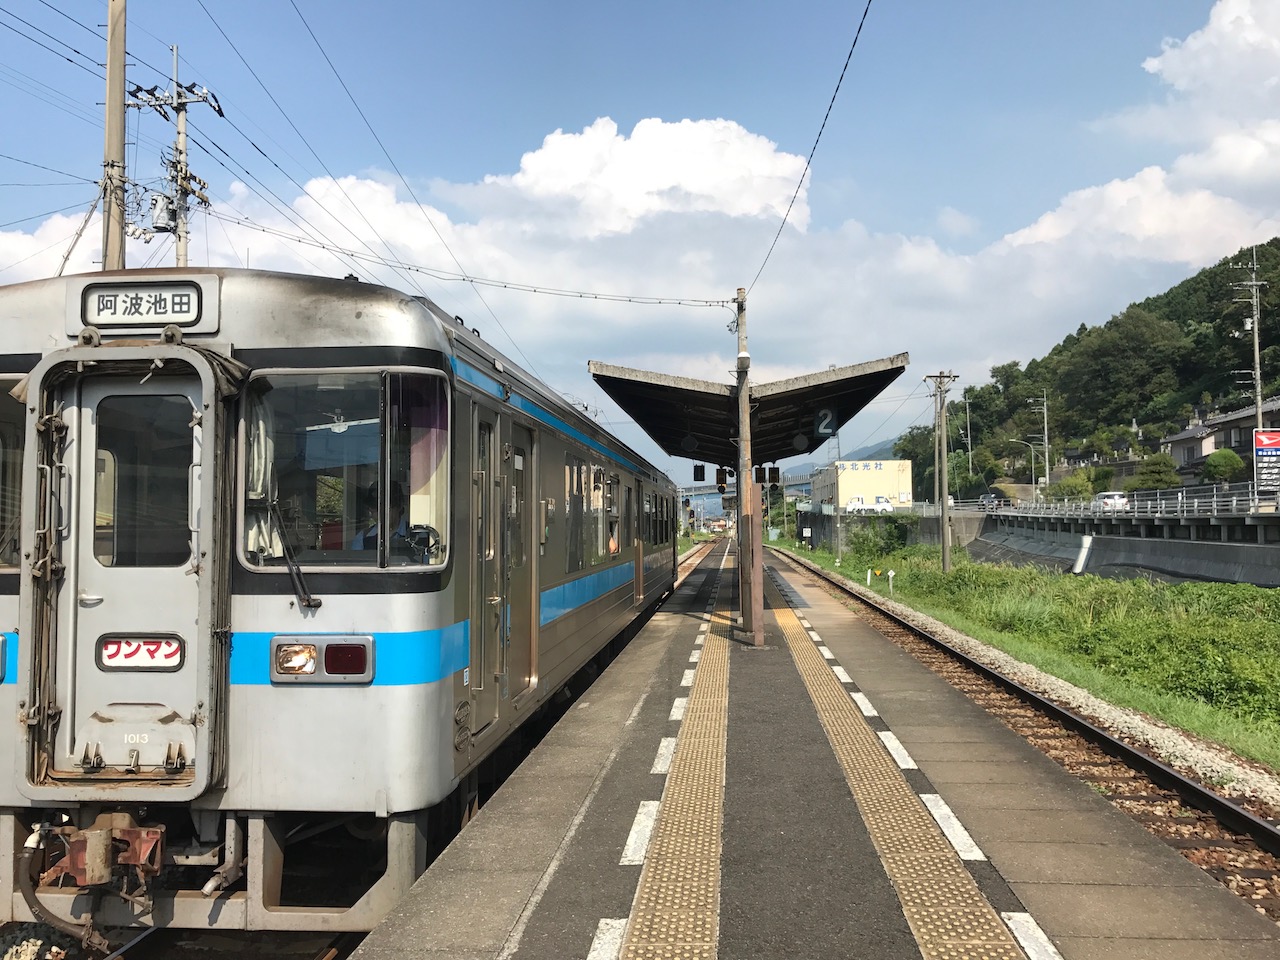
(947, 913)
(676, 912)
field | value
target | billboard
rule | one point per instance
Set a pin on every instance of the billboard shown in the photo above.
(1266, 460)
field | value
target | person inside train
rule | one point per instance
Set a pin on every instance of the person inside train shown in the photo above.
(366, 537)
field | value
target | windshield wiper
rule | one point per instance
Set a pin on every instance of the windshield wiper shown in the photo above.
(305, 599)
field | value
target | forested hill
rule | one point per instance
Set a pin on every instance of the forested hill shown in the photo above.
(1187, 350)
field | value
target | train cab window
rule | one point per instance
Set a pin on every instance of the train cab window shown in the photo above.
(12, 439)
(346, 470)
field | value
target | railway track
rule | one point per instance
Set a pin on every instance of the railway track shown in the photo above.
(1234, 839)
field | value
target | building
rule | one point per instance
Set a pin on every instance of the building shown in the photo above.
(855, 484)
(1226, 431)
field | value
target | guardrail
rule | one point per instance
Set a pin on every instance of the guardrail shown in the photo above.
(1215, 500)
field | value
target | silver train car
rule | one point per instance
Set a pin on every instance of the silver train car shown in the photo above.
(279, 555)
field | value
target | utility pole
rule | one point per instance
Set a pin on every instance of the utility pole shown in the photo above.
(750, 576)
(1043, 401)
(113, 151)
(936, 433)
(968, 434)
(169, 213)
(1253, 283)
(941, 382)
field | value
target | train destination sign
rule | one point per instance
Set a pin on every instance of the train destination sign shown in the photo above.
(1266, 460)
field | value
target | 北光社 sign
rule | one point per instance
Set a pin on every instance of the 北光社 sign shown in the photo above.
(1266, 459)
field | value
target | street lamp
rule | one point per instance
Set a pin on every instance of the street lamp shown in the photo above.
(1032, 448)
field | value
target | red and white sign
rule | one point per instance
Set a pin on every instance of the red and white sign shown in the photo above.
(1266, 460)
(139, 653)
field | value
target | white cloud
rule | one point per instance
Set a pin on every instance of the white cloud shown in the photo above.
(954, 223)
(1145, 217)
(609, 181)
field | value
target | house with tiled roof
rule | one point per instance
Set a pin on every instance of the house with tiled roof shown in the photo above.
(1191, 446)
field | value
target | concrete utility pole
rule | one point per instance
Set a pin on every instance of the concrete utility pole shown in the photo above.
(169, 213)
(750, 575)
(941, 382)
(1253, 284)
(1043, 400)
(113, 153)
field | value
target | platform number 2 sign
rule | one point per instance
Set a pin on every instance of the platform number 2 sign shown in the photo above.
(824, 423)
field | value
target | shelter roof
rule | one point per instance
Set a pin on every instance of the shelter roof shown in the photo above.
(698, 419)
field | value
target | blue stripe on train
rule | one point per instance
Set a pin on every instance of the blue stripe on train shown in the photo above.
(567, 597)
(417, 656)
(10, 658)
(476, 378)
(399, 659)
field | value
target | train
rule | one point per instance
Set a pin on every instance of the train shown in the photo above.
(281, 556)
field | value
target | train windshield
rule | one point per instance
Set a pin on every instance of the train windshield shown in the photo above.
(346, 470)
(12, 435)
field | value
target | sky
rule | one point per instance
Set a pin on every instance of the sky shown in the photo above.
(987, 175)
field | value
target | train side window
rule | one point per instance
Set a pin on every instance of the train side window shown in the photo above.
(628, 524)
(575, 508)
(12, 440)
(515, 540)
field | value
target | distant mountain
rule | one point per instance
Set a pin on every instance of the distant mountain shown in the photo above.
(876, 451)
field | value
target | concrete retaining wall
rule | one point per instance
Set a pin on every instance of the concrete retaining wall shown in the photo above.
(1134, 556)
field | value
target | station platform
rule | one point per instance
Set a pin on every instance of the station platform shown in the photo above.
(822, 796)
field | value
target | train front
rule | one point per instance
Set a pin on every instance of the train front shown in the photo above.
(226, 558)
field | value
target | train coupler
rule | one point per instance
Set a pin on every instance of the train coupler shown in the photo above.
(94, 852)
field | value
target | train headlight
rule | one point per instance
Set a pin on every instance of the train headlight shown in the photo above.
(296, 659)
(330, 658)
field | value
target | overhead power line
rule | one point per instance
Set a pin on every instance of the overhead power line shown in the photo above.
(438, 274)
(809, 162)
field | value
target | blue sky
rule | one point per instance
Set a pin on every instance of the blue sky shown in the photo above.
(992, 174)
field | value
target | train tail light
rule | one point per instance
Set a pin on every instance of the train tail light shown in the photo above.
(346, 659)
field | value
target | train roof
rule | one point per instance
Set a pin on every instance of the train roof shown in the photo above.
(242, 310)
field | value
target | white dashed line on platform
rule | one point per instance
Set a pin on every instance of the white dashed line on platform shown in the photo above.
(666, 751)
(952, 828)
(897, 751)
(864, 705)
(607, 943)
(1030, 937)
(641, 830)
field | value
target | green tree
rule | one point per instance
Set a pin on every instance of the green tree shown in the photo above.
(1223, 466)
(1074, 486)
(916, 445)
(1157, 472)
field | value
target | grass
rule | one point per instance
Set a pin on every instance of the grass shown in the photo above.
(1204, 658)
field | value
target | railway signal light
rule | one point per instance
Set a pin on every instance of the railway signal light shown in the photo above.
(775, 477)
(722, 479)
(699, 473)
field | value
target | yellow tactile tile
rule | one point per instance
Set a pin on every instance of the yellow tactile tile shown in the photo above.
(948, 915)
(676, 912)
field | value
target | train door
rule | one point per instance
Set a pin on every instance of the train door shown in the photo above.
(638, 539)
(126, 667)
(489, 602)
(518, 662)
